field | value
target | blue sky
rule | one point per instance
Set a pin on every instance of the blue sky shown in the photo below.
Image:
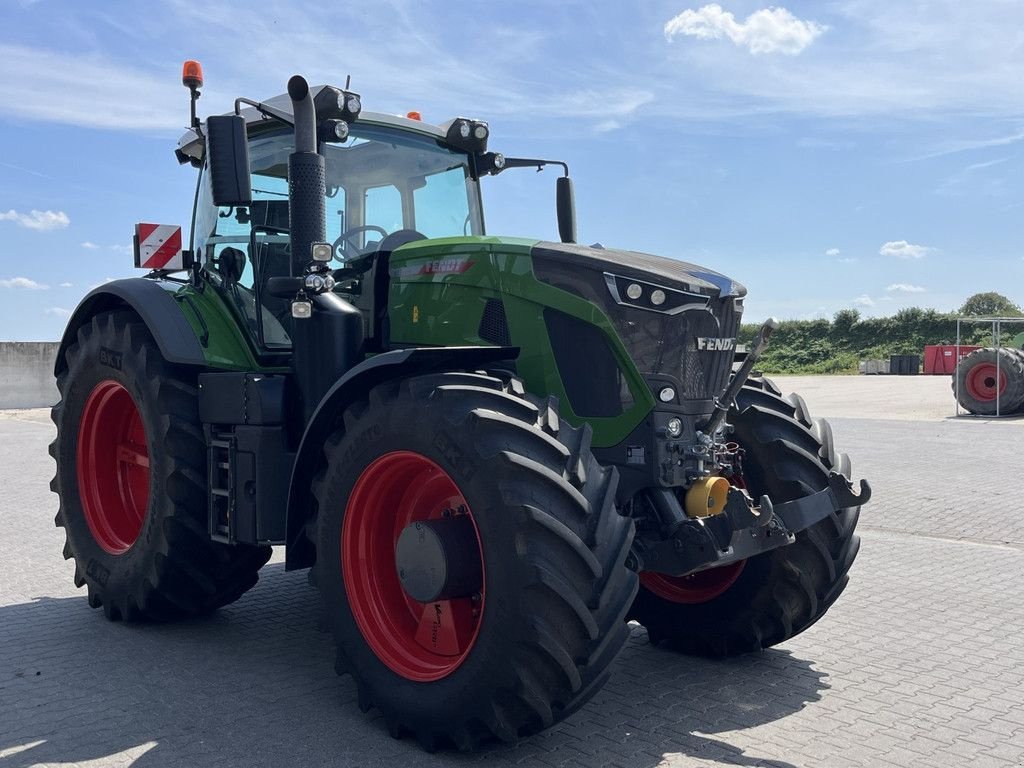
(855, 153)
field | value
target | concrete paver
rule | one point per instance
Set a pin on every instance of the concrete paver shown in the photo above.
(918, 664)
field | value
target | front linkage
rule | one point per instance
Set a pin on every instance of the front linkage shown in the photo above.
(718, 523)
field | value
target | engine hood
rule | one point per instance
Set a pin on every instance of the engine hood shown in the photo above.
(642, 266)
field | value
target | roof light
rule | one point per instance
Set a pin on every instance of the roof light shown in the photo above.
(192, 74)
(468, 135)
(331, 102)
(413, 115)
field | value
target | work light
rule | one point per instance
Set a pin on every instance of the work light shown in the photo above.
(336, 104)
(467, 135)
(322, 252)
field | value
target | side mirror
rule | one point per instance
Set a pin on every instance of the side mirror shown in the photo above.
(565, 202)
(228, 157)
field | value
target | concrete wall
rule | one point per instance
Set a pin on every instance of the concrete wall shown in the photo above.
(26, 374)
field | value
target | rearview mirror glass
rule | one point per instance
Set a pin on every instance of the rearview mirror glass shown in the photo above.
(228, 160)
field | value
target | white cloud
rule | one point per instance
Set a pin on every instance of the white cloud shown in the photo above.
(606, 126)
(864, 301)
(88, 90)
(38, 220)
(23, 283)
(122, 249)
(58, 311)
(67, 285)
(832, 252)
(901, 249)
(89, 246)
(905, 288)
(848, 260)
(769, 30)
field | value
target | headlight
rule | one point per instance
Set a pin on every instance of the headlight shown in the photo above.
(654, 298)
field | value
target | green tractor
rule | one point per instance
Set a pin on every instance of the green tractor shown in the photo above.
(492, 452)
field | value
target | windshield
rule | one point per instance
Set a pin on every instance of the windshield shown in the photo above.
(379, 181)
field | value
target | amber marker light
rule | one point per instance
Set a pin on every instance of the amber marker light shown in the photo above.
(192, 74)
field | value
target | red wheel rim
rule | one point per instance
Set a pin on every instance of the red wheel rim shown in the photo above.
(419, 641)
(113, 467)
(981, 382)
(696, 588)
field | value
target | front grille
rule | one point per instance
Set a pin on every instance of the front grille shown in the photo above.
(667, 345)
(658, 343)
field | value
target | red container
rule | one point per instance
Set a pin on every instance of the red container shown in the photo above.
(941, 359)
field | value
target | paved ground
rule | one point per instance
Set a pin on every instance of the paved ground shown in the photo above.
(920, 663)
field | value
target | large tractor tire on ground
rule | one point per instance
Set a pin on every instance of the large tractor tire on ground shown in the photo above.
(769, 598)
(987, 373)
(533, 640)
(131, 477)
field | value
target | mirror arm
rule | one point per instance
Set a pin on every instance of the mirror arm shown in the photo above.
(524, 162)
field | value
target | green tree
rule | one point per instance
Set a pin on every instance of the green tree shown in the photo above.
(844, 321)
(990, 304)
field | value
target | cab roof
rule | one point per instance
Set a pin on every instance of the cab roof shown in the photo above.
(187, 144)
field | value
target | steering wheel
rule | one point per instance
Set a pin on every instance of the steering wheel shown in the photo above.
(345, 249)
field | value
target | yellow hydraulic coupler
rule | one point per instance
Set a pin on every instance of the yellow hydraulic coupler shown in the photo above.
(706, 497)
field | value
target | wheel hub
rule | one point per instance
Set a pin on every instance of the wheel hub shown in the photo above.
(985, 382)
(406, 514)
(439, 559)
(113, 467)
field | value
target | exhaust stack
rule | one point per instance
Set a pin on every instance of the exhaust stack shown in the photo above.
(307, 214)
(327, 342)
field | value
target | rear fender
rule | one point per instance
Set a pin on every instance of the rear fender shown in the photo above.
(155, 306)
(327, 418)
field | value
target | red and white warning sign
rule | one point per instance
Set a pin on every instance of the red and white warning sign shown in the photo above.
(158, 246)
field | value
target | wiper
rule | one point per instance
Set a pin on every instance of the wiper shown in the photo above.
(264, 109)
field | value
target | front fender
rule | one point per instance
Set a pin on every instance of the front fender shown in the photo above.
(327, 418)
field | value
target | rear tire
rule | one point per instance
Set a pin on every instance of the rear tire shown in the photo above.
(780, 593)
(138, 533)
(553, 547)
(975, 381)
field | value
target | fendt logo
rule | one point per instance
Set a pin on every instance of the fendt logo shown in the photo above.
(709, 344)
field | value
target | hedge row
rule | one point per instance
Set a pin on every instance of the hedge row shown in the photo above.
(836, 346)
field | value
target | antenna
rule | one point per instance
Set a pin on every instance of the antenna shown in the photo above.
(348, 81)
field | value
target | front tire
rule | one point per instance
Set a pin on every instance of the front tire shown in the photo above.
(131, 480)
(536, 641)
(772, 597)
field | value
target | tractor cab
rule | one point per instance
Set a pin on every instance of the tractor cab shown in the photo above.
(390, 181)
